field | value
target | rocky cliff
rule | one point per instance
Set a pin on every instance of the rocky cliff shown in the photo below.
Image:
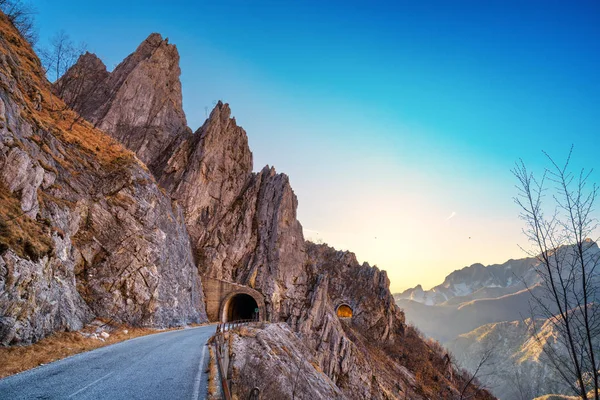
(242, 224)
(85, 230)
(243, 228)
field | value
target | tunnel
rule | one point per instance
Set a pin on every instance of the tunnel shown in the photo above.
(240, 306)
(344, 311)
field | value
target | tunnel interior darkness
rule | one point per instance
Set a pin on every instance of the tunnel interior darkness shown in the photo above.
(241, 306)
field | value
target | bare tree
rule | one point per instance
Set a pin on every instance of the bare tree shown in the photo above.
(21, 14)
(60, 55)
(472, 384)
(568, 262)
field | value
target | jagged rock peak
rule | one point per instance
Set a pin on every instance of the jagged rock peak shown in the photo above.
(153, 46)
(155, 39)
(221, 123)
(270, 171)
(221, 113)
(91, 62)
(144, 123)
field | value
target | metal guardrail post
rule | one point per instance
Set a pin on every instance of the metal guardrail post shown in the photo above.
(230, 370)
(224, 385)
(224, 362)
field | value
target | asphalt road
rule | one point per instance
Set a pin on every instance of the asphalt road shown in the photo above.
(167, 365)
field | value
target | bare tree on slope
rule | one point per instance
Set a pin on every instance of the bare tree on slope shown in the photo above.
(20, 14)
(60, 55)
(568, 267)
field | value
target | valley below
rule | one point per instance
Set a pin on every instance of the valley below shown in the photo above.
(485, 313)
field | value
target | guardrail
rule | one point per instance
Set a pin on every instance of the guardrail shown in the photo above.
(227, 326)
(224, 360)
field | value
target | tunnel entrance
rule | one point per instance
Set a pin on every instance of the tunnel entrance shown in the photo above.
(344, 311)
(240, 306)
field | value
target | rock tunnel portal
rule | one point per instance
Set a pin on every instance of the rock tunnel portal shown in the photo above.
(228, 301)
(344, 311)
(240, 306)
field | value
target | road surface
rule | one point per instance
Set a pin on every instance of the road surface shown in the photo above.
(167, 365)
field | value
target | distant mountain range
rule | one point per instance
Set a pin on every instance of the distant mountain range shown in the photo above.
(471, 297)
(481, 307)
(477, 282)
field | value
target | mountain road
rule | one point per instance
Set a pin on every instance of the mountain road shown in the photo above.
(166, 365)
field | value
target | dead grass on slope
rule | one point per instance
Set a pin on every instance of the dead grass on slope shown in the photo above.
(43, 109)
(27, 237)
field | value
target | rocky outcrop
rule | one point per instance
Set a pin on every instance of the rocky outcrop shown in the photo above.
(337, 278)
(276, 356)
(206, 172)
(242, 225)
(139, 103)
(84, 229)
(364, 288)
(259, 243)
(83, 87)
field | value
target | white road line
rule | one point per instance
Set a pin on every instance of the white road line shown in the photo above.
(93, 383)
(198, 380)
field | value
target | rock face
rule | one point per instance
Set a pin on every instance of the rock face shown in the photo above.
(139, 103)
(242, 225)
(337, 278)
(260, 244)
(84, 229)
(277, 356)
(207, 171)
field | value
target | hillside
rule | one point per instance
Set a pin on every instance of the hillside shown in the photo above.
(445, 322)
(518, 368)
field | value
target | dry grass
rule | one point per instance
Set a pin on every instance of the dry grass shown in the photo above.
(25, 236)
(64, 344)
(563, 396)
(58, 346)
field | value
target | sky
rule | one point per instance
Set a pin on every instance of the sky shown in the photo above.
(398, 122)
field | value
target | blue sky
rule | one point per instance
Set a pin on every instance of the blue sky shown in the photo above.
(389, 117)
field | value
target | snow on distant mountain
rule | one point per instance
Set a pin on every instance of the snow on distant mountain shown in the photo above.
(476, 282)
